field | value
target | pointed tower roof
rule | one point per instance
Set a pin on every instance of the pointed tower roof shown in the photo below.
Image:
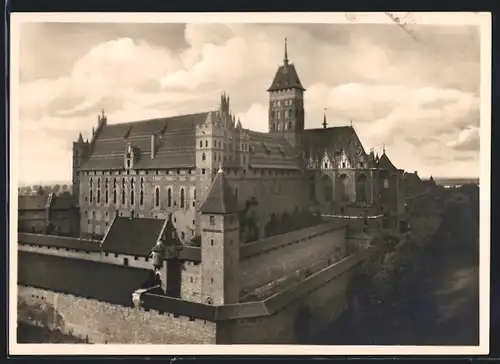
(385, 163)
(80, 138)
(220, 199)
(286, 77)
(324, 120)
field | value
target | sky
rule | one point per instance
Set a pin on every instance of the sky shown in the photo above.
(418, 95)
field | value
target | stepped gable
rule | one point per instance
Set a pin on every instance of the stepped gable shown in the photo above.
(271, 151)
(134, 236)
(385, 163)
(31, 203)
(175, 143)
(333, 140)
(220, 198)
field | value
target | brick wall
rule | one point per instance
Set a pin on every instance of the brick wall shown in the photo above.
(102, 322)
(294, 324)
(271, 265)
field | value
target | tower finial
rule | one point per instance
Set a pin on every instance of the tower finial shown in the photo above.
(324, 119)
(383, 148)
(286, 52)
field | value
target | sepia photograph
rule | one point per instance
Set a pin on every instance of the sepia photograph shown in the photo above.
(294, 183)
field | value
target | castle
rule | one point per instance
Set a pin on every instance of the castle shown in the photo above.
(222, 234)
(164, 167)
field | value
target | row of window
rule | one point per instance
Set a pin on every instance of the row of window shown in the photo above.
(218, 144)
(217, 156)
(277, 103)
(287, 113)
(280, 126)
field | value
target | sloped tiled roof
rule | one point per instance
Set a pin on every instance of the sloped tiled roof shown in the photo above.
(286, 77)
(271, 151)
(385, 163)
(132, 236)
(175, 145)
(32, 202)
(62, 202)
(333, 140)
(220, 198)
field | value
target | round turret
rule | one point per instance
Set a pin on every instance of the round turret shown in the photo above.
(158, 254)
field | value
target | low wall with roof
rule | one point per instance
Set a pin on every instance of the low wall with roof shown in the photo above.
(270, 259)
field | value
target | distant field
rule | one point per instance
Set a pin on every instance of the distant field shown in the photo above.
(456, 181)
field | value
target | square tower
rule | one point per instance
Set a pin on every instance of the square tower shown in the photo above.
(220, 245)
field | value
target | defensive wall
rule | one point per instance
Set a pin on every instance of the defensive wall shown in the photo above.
(293, 283)
(89, 304)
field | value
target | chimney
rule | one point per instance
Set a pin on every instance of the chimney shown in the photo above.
(153, 146)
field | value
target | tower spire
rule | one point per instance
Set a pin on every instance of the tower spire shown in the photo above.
(383, 148)
(324, 119)
(286, 53)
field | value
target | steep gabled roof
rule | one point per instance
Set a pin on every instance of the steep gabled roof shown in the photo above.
(385, 163)
(32, 202)
(175, 146)
(134, 236)
(220, 198)
(332, 140)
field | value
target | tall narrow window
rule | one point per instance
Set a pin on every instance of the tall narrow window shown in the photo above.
(169, 197)
(157, 197)
(123, 197)
(206, 143)
(182, 197)
(201, 143)
(114, 197)
(98, 196)
(194, 194)
(106, 196)
(203, 156)
(132, 196)
(142, 198)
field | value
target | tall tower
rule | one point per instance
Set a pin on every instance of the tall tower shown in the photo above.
(286, 103)
(220, 244)
(209, 156)
(80, 154)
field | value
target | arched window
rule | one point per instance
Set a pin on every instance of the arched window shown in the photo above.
(123, 197)
(209, 301)
(132, 197)
(194, 194)
(182, 197)
(201, 143)
(157, 197)
(169, 197)
(141, 198)
(91, 196)
(114, 197)
(203, 156)
(114, 182)
(98, 196)
(98, 183)
(206, 143)
(106, 196)
(289, 125)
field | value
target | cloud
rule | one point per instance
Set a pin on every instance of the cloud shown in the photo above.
(413, 96)
(468, 139)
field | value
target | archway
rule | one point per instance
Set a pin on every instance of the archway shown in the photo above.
(327, 185)
(343, 188)
(362, 188)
